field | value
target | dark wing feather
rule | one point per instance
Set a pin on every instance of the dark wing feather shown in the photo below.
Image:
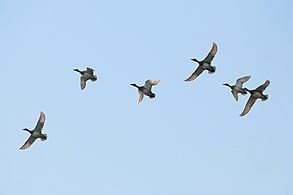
(195, 74)
(248, 105)
(41, 122)
(211, 54)
(28, 143)
(263, 86)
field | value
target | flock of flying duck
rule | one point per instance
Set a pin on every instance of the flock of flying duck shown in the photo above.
(146, 89)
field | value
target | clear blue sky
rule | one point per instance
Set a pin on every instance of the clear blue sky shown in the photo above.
(188, 140)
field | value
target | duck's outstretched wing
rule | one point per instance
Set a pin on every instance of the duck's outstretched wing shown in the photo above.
(41, 122)
(90, 70)
(262, 87)
(28, 143)
(195, 74)
(212, 53)
(242, 80)
(83, 80)
(248, 105)
(140, 96)
(149, 83)
(235, 95)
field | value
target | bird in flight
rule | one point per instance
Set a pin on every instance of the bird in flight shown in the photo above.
(204, 64)
(146, 89)
(237, 88)
(87, 74)
(36, 133)
(255, 94)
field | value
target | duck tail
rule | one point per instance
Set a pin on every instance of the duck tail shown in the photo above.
(213, 70)
(43, 139)
(267, 97)
(94, 79)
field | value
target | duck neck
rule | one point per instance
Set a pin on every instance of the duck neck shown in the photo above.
(77, 70)
(133, 84)
(228, 85)
(193, 59)
(26, 129)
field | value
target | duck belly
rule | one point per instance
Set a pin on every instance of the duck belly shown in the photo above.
(206, 66)
(259, 95)
(240, 90)
(147, 92)
(37, 134)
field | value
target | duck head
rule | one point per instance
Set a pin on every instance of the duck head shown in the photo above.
(195, 60)
(227, 84)
(26, 129)
(77, 70)
(133, 84)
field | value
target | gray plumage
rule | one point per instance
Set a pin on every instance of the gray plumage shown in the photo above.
(204, 64)
(36, 133)
(146, 89)
(86, 75)
(237, 88)
(255, 94)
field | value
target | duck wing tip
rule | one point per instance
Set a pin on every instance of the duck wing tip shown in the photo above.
(28, 143)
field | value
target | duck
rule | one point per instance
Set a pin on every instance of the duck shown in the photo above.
(87, 74)
(204, 64)
(254, 95)
(237, 88)
(146, 89)
(36, 133)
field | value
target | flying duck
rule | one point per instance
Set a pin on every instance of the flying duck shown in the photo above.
(146, 89)
(204, 64)
(36, 133)
(86, 75)
(255, 94)
(237, 88)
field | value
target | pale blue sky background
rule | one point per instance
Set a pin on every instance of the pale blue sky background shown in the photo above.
(188, 140)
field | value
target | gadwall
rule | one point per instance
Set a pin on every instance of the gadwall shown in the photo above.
(86, 75)
(255, 94)
(36, 133)
(237, 88)
(146, 89)
(204, 64)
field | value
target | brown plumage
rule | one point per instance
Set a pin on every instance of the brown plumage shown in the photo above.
(86, 75)
(237, 88)
(204, 64)
(146, 89)
(255, 94)
(36, 133)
